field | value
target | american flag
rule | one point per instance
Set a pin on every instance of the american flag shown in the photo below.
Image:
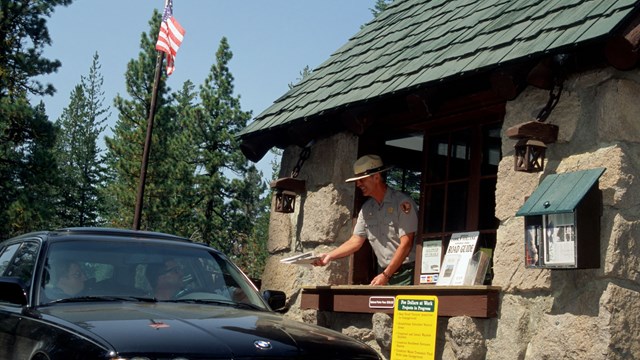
(170, 36)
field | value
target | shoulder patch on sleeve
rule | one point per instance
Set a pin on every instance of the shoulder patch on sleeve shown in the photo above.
(405, 207)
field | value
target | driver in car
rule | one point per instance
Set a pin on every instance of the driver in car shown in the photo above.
(68, 280)
(165, 279)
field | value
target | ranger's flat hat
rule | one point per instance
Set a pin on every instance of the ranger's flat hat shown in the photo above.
(367, 165)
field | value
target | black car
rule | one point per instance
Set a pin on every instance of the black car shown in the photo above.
(88, 293)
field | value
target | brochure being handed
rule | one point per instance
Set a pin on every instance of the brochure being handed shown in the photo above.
(306, 258)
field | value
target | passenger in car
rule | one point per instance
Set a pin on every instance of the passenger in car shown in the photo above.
(165, 279)
(68, 280)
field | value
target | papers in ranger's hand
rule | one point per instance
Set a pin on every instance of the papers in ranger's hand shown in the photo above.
(306, 258)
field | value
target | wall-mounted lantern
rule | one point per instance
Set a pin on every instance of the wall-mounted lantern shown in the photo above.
(531, 147)
(289, 187)
(286, 190)
(529, 156)
(533, 136)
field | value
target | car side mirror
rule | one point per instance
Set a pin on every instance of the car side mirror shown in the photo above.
(276, 299)
(13, 291)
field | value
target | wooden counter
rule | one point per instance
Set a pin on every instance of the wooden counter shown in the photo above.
(474, 301)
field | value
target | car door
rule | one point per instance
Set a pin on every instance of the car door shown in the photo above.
(17, 260)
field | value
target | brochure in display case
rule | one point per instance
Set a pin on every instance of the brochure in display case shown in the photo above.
(559, 244)
(551, 241)
(431, 257)
(457, 258)
(478, 266)
(532, 242)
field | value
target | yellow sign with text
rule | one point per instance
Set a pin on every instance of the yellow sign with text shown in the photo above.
(415, 319)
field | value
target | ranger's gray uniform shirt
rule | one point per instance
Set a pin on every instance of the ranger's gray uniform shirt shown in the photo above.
(384, 224)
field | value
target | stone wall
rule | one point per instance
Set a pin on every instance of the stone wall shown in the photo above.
(575, 314)
(544, 314)
(321, 221)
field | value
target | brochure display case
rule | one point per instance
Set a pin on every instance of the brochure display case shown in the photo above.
(562, 222)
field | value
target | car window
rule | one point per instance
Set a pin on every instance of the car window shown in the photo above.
(22, 264)
(135, 270)
(6, 255)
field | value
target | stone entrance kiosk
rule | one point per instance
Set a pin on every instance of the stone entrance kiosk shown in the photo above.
(430, 82)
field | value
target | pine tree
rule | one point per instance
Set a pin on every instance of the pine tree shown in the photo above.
(27, 170)
(23, 35)
(80, 166)
(32, 175)
(380, 6)
(250, 252)
(229, 188)
(180, 193)
(168, 188)
(124, 149)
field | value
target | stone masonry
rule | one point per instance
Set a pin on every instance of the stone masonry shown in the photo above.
(544, 314)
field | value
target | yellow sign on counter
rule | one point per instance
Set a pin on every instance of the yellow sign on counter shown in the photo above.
(415, 319)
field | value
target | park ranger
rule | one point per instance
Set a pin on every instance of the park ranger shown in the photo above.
(387, 219)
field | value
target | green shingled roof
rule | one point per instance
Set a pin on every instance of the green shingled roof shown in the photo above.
(560, 193)
(417, 42)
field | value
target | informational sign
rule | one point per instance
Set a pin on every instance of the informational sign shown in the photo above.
(431, 257)
(381, 302)
(457, 258)
(415, 321)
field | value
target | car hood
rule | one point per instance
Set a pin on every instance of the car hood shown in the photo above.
(201, 330)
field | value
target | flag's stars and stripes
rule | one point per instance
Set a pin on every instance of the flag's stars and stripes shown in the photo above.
(170, 36)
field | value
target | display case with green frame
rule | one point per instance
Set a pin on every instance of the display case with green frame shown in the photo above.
(562, 221)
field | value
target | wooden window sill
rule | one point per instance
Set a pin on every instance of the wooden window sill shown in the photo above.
(475, 301)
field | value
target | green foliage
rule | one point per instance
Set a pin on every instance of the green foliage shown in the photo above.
(198, 183)
(124, 148)
(27, 166)
(229, 189)
(181, 195)
(405, 180)
(306, 71)
(380, 6)
(23, 35)
(80, 166)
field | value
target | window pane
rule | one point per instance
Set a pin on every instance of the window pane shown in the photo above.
(433, 216)
(437, 158)
(491, 150)
(487, 203)
(405, 180)
(460, 155)
(6, 256)
(457, 206)
(22, 264)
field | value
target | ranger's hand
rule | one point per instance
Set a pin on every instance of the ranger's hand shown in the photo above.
(322, 260)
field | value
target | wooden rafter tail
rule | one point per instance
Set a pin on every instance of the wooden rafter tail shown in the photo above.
(622, 50)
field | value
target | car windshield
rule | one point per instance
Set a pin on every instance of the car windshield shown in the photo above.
(134, 270)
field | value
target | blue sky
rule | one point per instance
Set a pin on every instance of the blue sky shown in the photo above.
(271, 41)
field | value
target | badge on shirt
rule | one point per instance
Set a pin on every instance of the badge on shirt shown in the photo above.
(406, 207)
(390, 210)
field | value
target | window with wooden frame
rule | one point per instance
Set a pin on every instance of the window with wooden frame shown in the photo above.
(456, 161)
(450, 168)
(459, 183)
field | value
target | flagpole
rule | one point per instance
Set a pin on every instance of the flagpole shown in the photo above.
(169, 39)
(147, 143)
